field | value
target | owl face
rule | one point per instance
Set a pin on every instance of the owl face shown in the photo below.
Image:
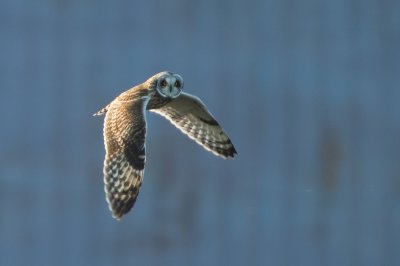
(169, 85)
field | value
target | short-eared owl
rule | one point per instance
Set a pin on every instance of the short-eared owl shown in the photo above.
(125, 133)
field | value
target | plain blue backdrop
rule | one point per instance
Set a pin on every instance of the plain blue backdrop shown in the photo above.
(307, 90)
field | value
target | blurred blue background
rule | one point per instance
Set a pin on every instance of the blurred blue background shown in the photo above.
(308, 91)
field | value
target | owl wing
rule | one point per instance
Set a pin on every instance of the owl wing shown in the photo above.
(190, 115)
(124, 139)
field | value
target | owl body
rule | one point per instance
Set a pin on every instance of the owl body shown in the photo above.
(125, 133)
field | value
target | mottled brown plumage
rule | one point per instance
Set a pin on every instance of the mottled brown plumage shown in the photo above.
(125, 133)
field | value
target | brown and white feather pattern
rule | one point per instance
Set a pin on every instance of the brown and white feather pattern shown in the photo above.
(124, 137)
(190, 115)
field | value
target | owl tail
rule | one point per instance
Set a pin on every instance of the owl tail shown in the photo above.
(102, 111)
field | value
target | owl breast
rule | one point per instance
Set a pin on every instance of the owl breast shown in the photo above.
(157, 101)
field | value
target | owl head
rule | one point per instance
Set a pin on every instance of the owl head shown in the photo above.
(168, 85)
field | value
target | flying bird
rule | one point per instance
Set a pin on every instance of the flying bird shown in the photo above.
(125, 133)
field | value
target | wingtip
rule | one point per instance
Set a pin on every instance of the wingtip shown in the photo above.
(234, 152)
(117, 217)
(230, 154)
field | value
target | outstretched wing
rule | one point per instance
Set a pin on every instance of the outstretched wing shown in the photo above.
(124, 139)
(190, 115)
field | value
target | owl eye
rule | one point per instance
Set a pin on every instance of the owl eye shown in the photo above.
(177, 84)
(163, 83)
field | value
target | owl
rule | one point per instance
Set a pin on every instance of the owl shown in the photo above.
(125, 133)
